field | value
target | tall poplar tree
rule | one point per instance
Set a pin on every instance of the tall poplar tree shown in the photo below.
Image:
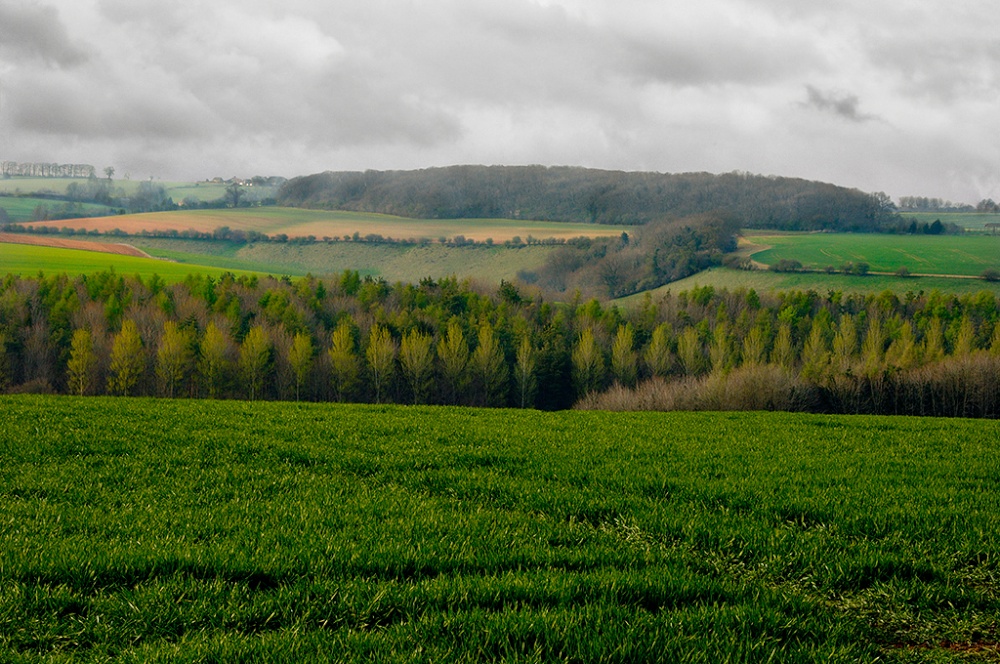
(174, 358)
(82, 362)
(255, 360)
(214, 360)
(300, 357)
(453, 352)
(689, 351)
(127, 360)
(489, 366)
(416, 358)
(588, 364)
(381, 356)
(658, 356)
(524, 370)
(345, 365)
(783, 353)
(624, 359)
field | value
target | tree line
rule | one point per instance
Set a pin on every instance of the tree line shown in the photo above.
(593, 196)
(450, 342)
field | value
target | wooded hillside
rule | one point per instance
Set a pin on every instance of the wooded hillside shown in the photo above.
(592, 196)
(445, 342)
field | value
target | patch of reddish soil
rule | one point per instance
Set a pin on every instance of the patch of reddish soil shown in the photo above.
(85, 245)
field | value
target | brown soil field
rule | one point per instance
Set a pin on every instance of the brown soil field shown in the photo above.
(85, 245)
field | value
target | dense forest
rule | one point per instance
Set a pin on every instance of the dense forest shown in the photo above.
(445, 342)
(593, 196)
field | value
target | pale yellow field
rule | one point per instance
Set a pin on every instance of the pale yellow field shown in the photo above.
(335, 224)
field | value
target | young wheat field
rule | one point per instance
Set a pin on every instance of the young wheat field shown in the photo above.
(141, 530)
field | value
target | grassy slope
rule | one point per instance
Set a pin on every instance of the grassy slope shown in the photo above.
(21, 210)
(29, 260)
(392, 262)
(921, 254)
(195, 531)
(764, 281)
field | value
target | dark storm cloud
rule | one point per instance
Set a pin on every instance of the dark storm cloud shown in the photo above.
(841, 104)
(32, 31)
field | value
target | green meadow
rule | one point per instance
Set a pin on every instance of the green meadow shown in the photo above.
(393, 262)
(192, 531)
(203, 191)
(764, 281)
(20, 210)
(29, 260)
(920, 254)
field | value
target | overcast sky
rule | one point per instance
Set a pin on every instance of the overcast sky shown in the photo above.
(901, 96)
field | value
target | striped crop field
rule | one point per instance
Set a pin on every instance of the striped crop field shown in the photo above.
(145, 530)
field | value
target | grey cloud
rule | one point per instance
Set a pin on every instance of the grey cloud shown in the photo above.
(300, 85)
(841, 104)
(35, 31)
(72, 106)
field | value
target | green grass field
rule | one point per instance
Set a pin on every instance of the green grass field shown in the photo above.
(203, 191)
(184, 531)
(973, 221)
(921, 254)
(764, 281)
(389, 261)
(20, 210)
(29, 260)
